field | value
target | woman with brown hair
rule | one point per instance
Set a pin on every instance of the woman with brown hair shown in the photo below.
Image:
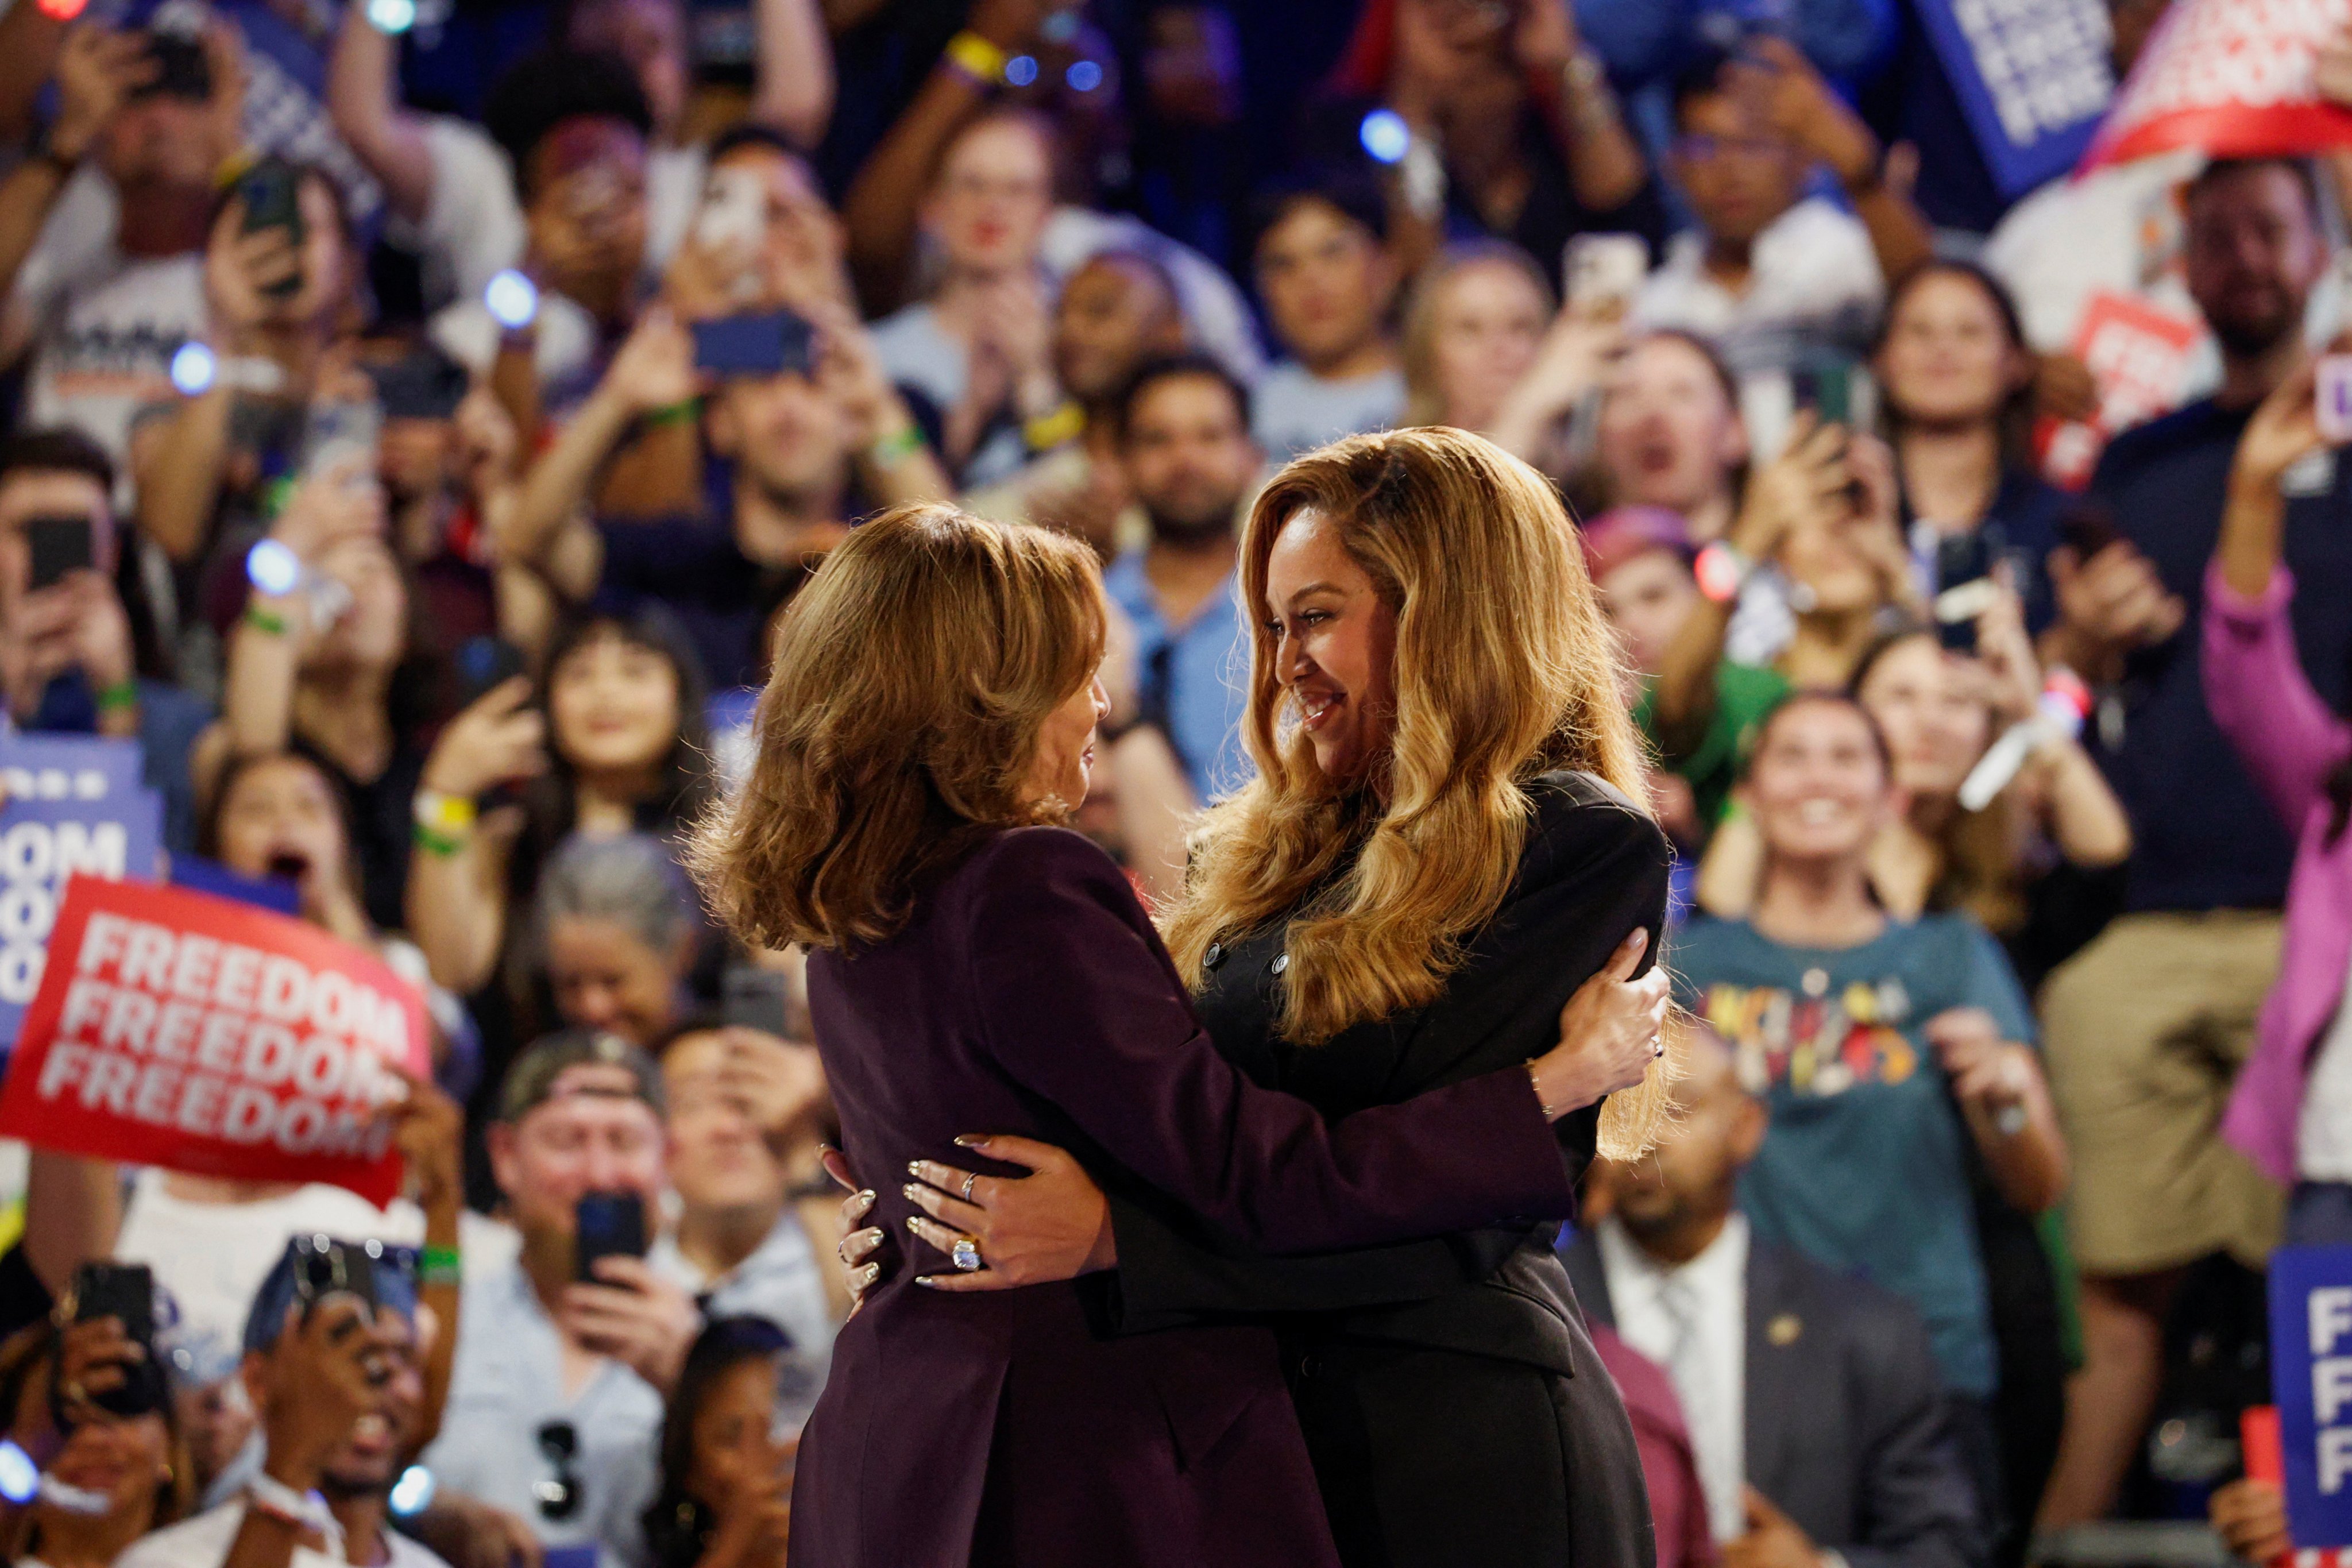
(1442, 844)
(931, 714)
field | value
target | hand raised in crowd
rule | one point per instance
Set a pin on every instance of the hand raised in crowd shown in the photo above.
(1772, 1539)
(1011, 23)
(330, 503)
(860, 1241)
(1016, 326)
(779, 1083)
(1608, 1031)
(1807, 484)
(1053, 1223)
(1873, 508)
(2251, 1518)
(488, 447)
(429, 1127)
(2012, 674)
(655, 367)
(850, 370)
(76, 623)
(97, 69)
(1987, 1071)
(500, 737)
(755, 1515)
(2283, 431)
(1577, 351)
(633, 1315)
(1803, 108)
(1543, 36)
(329, 1368)
(94, 1357)
(2108, 606)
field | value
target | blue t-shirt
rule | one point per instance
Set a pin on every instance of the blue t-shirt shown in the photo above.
(1866, 1166)
(1197, 678)
(2203, 838)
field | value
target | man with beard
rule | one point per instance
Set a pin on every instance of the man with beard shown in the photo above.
(1184, 442)
(1812, 1400)
(341, 1392)
(2148, 1026)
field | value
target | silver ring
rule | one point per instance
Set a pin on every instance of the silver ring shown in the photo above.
(969, 1179)
(964, 1254)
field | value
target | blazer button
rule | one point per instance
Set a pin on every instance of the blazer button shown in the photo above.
(1214, 956)
(1281, 962)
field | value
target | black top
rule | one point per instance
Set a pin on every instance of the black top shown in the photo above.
(1594, 868)
(2204, 838)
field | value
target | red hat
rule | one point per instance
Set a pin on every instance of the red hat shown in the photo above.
(1623, 533)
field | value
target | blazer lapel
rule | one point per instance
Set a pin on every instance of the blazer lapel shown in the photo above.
(1773, 1393)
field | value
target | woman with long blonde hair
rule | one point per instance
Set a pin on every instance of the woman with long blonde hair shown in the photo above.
(928, 726)
(1442, 848)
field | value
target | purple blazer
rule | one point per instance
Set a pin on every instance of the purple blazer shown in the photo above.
(2289, 740)
(1028, 994)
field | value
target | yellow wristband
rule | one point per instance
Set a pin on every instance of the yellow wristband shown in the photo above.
(1049, 430)
(976, 58)
(443, 812)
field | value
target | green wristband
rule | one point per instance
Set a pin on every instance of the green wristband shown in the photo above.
(439, 1265)
(675, 413)
(440, 844)
(114, 699)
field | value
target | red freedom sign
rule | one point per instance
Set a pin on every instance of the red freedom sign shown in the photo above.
(2233, 77)
(174, 1028)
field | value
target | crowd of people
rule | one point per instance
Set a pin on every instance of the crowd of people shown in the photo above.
(452, 401)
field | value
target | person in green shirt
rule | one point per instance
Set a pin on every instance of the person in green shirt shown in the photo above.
(1640, 558)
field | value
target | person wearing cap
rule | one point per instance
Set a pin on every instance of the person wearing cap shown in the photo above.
(339, 1387)
(555, 1404)
(1701, 719)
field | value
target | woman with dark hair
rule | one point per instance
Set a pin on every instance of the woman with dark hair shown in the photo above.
(90, 1408)
(614, 744)
(977, 969)
(1958, 385)
(726, 1474)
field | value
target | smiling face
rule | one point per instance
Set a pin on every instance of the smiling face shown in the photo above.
(730, 1437)
(1485, 328)
(614, 704)
(605, 976)
(1948, 358)
(1932, 713)
(996, 190)
(1065, 763)
(125, 1458)
(1669, 434)
(368, 1460)
(1817, 786)
(1334, 647)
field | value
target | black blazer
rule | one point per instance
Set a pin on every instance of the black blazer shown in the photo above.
(1454, 1406)
(1845, 1418)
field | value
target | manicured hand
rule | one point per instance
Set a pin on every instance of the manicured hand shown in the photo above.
(1053, 1223)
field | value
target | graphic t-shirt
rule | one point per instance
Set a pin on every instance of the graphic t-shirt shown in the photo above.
(1865, 1167)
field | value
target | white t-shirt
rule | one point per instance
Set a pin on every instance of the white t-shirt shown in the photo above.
(103, 326)
(1812, 274)
(1292, 410)
(213, 1257)
(204, 1542)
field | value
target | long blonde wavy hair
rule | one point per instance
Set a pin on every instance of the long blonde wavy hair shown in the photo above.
(912, 677)
(1504, 668)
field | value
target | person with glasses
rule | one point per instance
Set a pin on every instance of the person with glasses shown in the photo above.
(1769, 268)
(339, 1387)
(555, 1404)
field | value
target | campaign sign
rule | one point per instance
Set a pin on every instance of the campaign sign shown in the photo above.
(2033, 78)
(2235, 79)
(2310, 1379)
(75, 806)
(178, 1029)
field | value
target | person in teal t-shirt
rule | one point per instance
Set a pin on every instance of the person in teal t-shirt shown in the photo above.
(1885, 1048)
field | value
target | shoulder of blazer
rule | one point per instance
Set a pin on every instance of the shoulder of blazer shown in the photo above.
(1580, 817)
(1021, 867)
(1862, 1318)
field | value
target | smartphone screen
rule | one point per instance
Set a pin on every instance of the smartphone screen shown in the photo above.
(58, 544)
(606, 1224)
(767, 344)
(1964, 585)
(122, 1290)
(272, 193)
(756, 999)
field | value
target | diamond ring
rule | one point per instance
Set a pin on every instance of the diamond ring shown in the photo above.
(964, 1254)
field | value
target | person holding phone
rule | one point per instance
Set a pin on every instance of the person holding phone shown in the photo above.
(68, 656)
(551, 1417)
(726, 1474)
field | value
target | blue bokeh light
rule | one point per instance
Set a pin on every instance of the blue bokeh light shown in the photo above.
(413, 1492)
(1021, 69)
(194, 368)
(1084, 76)
(512, 299)
(1385, 135)
(19, 1477)
(392, 15)
(273, 568)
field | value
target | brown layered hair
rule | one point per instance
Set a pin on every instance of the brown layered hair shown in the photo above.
(1505, 670)
(912, 676)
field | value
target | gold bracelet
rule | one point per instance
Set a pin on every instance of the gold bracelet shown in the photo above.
(1536, 1083)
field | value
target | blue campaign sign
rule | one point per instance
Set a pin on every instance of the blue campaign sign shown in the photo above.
(2032, 77)
(74, 805)
(2310, 1379)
